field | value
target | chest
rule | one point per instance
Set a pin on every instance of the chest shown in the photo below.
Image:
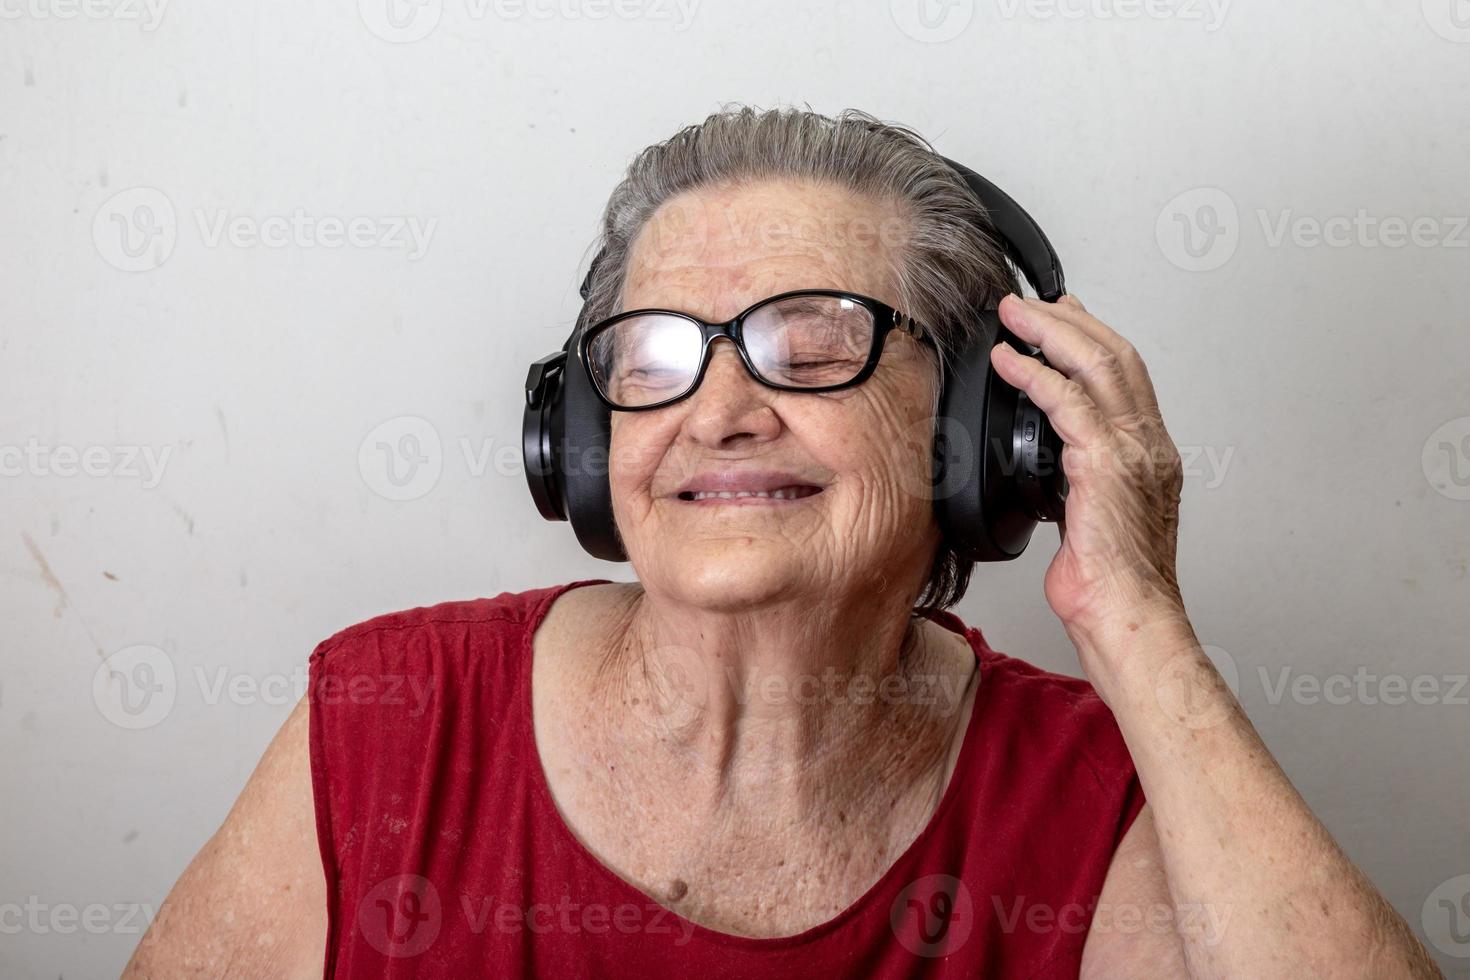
(735, 867)
(751, 860)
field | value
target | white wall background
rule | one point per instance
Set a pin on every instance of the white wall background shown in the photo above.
(1322, 386)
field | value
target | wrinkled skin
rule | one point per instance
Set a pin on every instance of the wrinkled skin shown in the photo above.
(713, 253)
(696, 684)
(1120, 535)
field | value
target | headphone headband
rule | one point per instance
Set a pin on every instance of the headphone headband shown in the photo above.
(1024, 242)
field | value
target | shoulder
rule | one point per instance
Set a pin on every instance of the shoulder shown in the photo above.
(396, 697)
(1060, 714)
(461, 626)
(513, 608)
(1048, 727)
(1024, 680)
(1049, 747)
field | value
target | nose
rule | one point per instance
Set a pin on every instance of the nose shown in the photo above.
(730, 406)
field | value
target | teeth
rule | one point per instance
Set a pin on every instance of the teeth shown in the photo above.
(783, 493)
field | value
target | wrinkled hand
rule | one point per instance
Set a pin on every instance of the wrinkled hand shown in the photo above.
(1116, 563)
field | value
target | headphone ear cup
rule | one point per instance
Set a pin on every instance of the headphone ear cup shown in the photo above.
(541, 435)
(583, 465)
(991, 448)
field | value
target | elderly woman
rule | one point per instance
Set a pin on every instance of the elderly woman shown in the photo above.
(777, 753)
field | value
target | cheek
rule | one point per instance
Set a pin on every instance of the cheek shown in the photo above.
(886, 441)
(636, 448)
(900, 435)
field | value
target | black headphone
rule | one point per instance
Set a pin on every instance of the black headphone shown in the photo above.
(997, 460)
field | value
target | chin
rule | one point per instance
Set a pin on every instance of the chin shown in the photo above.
(732, 572)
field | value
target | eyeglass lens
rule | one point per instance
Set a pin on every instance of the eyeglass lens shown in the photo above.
(802, 341)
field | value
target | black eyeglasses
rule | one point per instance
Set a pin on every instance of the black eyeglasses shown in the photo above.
(804, 340)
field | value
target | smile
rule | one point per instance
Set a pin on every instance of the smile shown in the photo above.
(750, 496)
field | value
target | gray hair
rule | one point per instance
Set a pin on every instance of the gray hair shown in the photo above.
(949, 262)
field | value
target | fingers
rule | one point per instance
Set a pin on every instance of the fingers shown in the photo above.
(1070, 309)
(1074, 351)
(1069, 407)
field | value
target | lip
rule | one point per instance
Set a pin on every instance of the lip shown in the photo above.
(749, 481)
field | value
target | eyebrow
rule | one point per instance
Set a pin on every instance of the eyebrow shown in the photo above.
(812, 304)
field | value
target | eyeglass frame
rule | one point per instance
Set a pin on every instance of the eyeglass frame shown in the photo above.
(886, 319)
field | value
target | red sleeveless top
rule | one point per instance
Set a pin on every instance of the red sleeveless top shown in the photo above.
(446, 857)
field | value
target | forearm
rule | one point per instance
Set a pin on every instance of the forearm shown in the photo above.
(1239, 844)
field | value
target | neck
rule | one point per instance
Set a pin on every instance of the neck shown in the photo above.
(788, 705)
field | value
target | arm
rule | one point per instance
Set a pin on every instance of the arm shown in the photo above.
(1236, 842)
(1135, 928)
(252, 903)
(1233, 836)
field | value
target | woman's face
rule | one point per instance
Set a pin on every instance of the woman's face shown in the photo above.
(713, 253)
